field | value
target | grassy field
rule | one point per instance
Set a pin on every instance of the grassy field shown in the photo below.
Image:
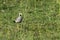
(41, 20)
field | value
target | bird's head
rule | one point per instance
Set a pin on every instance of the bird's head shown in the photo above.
(20, 14)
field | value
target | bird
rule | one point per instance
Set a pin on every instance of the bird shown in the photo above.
(19, 18)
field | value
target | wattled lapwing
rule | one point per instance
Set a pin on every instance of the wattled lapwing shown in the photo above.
(19, 18)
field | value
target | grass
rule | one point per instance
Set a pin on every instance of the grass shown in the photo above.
(41, 20)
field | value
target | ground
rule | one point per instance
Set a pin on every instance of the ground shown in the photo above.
(41, 20)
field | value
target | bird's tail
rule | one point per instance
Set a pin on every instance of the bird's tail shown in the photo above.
(14, 21)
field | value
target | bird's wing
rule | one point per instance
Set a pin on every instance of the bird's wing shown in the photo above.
(18, 19)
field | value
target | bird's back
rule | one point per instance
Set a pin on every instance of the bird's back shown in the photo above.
(18, 19)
